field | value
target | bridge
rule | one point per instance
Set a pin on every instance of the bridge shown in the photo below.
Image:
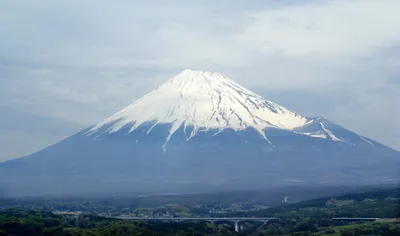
(355, 219)
(236, 220)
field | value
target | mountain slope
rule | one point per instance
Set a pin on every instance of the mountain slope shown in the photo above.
(206, 101)
(202, 100)
(201, 131)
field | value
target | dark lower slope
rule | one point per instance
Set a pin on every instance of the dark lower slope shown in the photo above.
(209, 161)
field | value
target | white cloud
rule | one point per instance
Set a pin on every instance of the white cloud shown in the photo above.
(341, 27)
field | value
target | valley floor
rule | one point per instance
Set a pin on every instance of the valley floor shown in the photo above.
(312, 217)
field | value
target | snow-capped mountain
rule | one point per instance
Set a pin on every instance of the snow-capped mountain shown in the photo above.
(206, 101)
(201, 130)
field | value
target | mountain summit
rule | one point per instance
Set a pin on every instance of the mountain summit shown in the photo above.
(201, 131)
(203, 101)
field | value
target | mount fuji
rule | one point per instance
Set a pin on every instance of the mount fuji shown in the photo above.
(201, 131)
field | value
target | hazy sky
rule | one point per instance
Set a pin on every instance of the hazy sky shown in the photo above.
(65, 65)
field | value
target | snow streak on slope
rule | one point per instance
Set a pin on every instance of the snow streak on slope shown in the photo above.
(203, 100)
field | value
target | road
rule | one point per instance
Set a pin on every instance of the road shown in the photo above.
(196, 218)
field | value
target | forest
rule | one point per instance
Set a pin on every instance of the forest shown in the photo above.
(312, 217)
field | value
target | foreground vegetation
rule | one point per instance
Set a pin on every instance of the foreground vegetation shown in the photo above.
(31, 222)
(312, 217)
